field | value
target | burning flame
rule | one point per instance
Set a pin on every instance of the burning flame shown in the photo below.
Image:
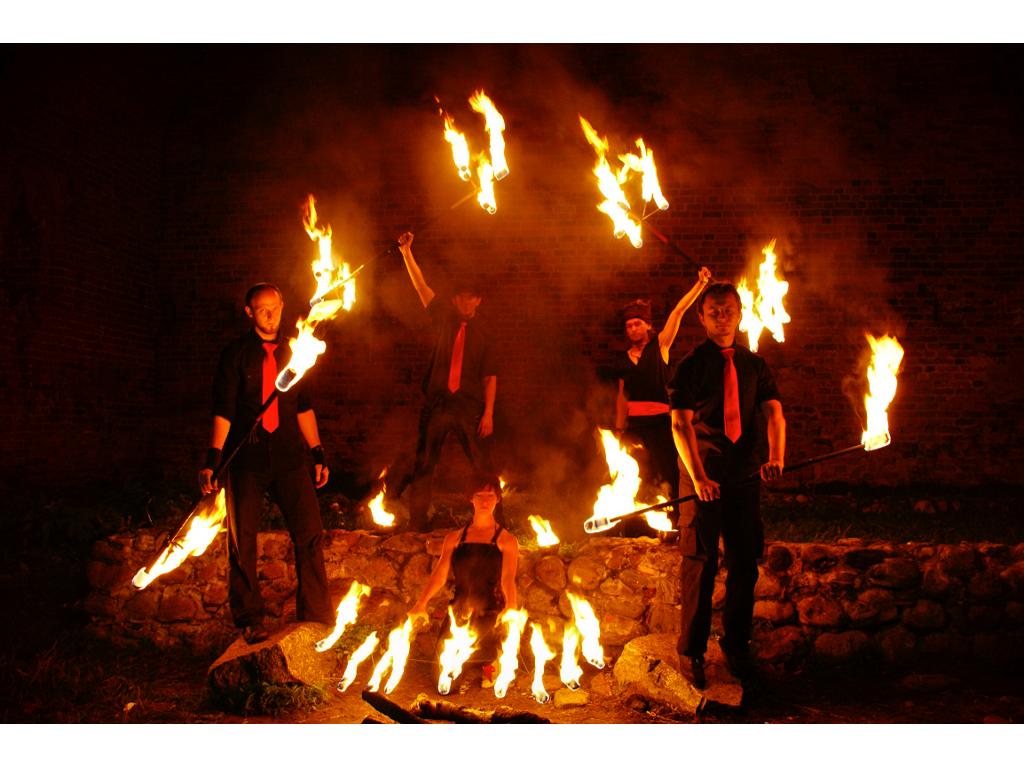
(765, 310)
(614, 206)
(381, 517)
(643, 164)
(495, 126)
(348, 609)
(394, 658)
(589, 628)
(545, 536)
(306, 347)
(657, 519)
(570, 670)
(206, 523)
(357, 658)
(508, 661)
(460, 148)
(458, 647)
(485, 174)
(541, 656)
(491, 166)
(886, 357)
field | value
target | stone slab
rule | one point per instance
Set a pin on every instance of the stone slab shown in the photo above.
(288, 656)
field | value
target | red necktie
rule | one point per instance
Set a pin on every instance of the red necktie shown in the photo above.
(455, 371)
(269, 418)
(731, 402)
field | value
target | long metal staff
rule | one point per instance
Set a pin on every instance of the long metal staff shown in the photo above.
(598, 524)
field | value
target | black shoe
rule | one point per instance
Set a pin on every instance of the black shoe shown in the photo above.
(739, 664)
(692, 668)
(255, 633)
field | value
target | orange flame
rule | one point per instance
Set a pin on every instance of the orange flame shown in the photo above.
(508, 661)
(491, 166)
(614, 205)
(348, 609)
(886, 358)
(643, 164)
(381, 516)
(460, 148)
(306, 347)
(457, 649)
(618, 498)
(357, 658)
(206, 523)
(765, 310)
(570, 670)
(541, 656)
(545, 536)
(495, 126)
(589, 628)
(394, 658)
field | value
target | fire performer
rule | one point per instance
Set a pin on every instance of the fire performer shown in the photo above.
(460, 385)
(642, 405)
(716, 394)
(483, 558)
(273, 458)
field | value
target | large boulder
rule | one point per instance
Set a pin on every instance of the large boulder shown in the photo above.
(288, 656)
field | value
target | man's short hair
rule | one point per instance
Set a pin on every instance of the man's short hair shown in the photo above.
(480, 480)
(259, 288)
(640, 308)
(468, 284)
(719, 291)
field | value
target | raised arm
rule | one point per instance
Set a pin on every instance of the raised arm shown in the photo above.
(424, 291)
(686, 443)
(668, 334)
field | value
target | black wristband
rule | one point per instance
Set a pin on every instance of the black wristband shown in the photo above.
(318, 454)
(213, 458)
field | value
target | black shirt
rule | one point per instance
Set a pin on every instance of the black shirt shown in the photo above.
(647, 379)
(478, 359)
(238, 395)
(698, 386)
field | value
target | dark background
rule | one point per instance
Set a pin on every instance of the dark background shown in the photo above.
(145, 187)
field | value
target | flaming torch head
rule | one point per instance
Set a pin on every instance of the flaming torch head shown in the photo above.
(886, 358)
(348, 609)
(495, 125)
(545, 536)
(614, 206)
(485, 175)
(460, 148)
(589, 628)
(457, 649)
(514, 622)
(541, 656)
(765, 310)
(570, 671)
(357, 658)
(206, 523)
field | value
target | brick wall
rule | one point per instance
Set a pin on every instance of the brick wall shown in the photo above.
(891, 177)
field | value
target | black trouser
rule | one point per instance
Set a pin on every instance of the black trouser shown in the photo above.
(294, 493)
(659, 465)
(736, 518)
(448, 413)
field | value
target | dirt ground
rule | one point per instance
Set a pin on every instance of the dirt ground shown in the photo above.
(82, 680)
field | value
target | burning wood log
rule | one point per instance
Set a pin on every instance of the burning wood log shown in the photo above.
(442, 710)
(386, 706)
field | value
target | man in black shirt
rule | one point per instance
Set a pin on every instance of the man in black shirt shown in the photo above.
(460, 385)
(717, 394)
(272, 458)
(641, 408)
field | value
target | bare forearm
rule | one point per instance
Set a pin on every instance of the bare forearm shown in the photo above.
(490, 393)
(219, 432)
(416, 276)
(686, 444)
(675, 318)
(308, 428)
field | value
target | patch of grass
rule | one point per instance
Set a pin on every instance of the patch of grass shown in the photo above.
(271, 700)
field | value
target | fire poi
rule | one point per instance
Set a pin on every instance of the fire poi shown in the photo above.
(508, 660)
(610, 183)
(491, 166)
(542, 654)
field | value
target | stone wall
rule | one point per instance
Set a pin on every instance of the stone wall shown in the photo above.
(897, 602)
